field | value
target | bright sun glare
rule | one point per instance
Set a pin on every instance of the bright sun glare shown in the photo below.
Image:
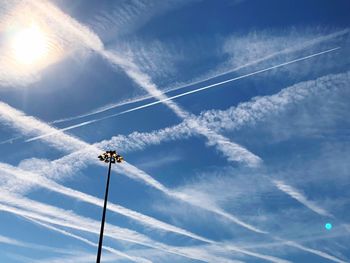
(30, 45)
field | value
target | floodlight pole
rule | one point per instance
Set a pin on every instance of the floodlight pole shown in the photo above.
(103, 215)
(110, 157)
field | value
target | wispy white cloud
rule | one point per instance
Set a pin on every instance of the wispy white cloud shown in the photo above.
(143, 219)
(52, 215)
(71, 29)
(64, 253)
(319, 253)
(233, 150)
(28, 125)
(26, 208)
(187, 250)
(92, 41)
(240, 44)
(218, 140)
(300, 197)
(11, 241)
(164, 189)
(18, 243)
(126, 16)
(260, 46)
(245, 113)
(315, 251)
(167, 99)
(234, 189)
(231, 119)
(23, 176)
(119, 253)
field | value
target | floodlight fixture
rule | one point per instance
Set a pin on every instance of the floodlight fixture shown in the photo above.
(107, 157)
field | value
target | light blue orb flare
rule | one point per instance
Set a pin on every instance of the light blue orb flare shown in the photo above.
(328, 226)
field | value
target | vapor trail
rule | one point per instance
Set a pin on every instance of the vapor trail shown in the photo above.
(171, 89)
(86, 241)
(43, 182)
(182, 94)
(51, 216)
(227, 81)
(300, 197)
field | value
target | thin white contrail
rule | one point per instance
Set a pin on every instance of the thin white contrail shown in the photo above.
(113, 106)
(84, 197)
(86, 241)
(30, 125)
(167, 90)
(300, 197)
(182, 94)
(68, 219)
(229, 80)
(52, 215)
(139, 175)
(43, 182)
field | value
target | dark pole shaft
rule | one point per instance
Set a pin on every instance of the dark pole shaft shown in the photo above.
(103, 216)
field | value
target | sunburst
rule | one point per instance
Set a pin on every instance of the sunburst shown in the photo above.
(30, 45)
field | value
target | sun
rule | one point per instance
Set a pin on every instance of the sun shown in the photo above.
(30, 45)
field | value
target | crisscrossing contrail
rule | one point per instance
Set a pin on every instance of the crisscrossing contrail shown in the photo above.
(184, 94)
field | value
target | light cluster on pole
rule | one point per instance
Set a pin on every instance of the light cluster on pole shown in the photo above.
(107, 157)
(110, 156)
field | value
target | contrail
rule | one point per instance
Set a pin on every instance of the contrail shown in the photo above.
(229, 80)
(86, 241)
(172, 89)
(183, 94)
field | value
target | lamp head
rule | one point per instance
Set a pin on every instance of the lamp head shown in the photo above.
(110, 156)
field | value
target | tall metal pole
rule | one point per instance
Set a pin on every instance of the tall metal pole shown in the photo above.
(104, 214)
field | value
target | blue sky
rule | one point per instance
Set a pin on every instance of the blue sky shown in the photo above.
(232, 117)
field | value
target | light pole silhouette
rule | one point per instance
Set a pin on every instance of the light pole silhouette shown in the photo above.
(107, 157)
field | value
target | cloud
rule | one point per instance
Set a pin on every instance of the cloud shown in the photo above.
(300, 197)
(259, 46)
(18, 243)
(111, 207)
(246, 113)
(155, 181)
(229, 149)
(163, 100)
(239, 190)
(32, 246)
(124, 17)
(143, 219)
(22, 176)
(144, 81)
(257, 58)
(119, 253)
(243, 114)
(52, 215)
(316, 252)
(30, 126)
(179, 111)
(73, 30)
(187, 250)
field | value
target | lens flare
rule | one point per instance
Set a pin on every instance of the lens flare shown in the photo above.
(328, 226)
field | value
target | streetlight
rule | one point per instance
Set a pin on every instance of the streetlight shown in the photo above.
(107, 157)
